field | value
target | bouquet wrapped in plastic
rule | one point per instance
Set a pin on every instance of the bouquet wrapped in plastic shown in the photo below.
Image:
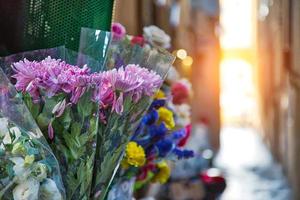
(135, 74)
(28, 168)
(160, 135)
(59, 96)
(86, 108)
(122, 189)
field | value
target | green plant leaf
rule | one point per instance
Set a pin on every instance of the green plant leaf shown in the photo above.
(43, 121)
(75, 129)
(85, 105)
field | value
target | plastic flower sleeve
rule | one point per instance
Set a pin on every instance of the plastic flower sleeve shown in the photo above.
(123, 189)
(28, 168)
(95, 43)
(64, 112)
(120, 119)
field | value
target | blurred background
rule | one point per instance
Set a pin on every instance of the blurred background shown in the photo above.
(241, 57)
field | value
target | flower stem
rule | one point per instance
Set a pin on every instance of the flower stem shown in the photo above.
(2, 192)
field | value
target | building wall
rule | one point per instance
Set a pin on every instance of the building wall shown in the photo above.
(279, 83)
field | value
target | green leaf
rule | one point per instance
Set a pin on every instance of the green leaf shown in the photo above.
(43, 121)
(75, 129)
(93, 128)
(83, 139)
(32, 107)
(66, 118)
(10, 170)
(49, 105)
(85, 105)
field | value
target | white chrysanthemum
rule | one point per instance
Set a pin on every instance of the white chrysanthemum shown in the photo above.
(27, 190)
(49, 190)
(156, 36)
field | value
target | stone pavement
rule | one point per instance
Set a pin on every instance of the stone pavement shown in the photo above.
(250, 171)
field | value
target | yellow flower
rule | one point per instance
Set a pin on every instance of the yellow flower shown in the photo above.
(163, 174)
(166, 116)
(160, 95)
(135, 155)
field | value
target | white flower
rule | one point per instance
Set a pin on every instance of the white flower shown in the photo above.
(20, 171)
(27, 190)
(156, 36)
(3, 126)
(7, 139)
(16, 131)
(49, 190)
(172, 75)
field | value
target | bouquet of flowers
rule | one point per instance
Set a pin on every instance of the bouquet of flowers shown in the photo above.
(86, 110)
(121, 113)
(28, 168)
(159, 137)
(59, 95)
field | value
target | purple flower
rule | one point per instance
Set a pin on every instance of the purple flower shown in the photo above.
(110, 88)
(152, 81)
(103, 92)
(50, 131)
(80, 84)
(132, 81)
(27, 77)
(118, 31)
(118, 104)
(122, 84)
(51, 76)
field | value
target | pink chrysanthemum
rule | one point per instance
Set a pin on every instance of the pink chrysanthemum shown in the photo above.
(110, 88)
(50, 76)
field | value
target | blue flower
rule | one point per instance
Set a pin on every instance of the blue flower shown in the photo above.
(157, 131)
(164, 147)
(179, 134)
(158, 103)
(150, 118)
(183, 153)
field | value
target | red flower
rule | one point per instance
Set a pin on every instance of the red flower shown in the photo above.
(144, 171)
(209, 177)
(138, 40)
(180, 93)
(183, 141)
